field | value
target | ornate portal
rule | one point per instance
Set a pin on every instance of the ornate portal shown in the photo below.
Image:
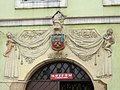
(85, 44)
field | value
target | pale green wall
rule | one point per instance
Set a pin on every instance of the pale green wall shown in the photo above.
(74, 8)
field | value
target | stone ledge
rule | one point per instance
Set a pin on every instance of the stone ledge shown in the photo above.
(67, 21)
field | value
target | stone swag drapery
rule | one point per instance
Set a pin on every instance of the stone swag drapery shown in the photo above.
(32, 44)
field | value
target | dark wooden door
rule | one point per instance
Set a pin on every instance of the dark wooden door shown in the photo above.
(43, 85)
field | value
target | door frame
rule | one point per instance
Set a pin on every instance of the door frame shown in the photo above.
(98, 84)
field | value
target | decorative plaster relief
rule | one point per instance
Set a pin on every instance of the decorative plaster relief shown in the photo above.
(89, 45)
(108, 41)
(32, 44)
(104, 66)
(84, 43)
(11, 64)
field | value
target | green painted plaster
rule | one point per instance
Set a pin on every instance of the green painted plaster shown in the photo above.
(74, 9)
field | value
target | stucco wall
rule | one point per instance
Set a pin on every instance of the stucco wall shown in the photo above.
(74, 9)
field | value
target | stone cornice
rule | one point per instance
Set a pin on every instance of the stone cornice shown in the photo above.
(67, 21)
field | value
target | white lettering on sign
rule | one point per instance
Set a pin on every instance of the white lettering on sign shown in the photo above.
(64, 76)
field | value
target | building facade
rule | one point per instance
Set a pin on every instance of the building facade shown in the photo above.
(59, 45)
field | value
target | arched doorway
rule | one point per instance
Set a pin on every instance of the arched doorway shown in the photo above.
(41, 79)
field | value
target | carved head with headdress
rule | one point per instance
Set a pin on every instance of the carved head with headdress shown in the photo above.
(58, 20)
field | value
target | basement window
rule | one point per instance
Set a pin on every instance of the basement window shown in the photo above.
(40, 3)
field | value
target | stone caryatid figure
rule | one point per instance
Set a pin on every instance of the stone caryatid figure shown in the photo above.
(108, 41)
(105, 64)
(11, 67)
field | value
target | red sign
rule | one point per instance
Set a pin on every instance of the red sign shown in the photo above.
(61, 76)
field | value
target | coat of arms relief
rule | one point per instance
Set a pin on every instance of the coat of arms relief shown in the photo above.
(86, 44)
